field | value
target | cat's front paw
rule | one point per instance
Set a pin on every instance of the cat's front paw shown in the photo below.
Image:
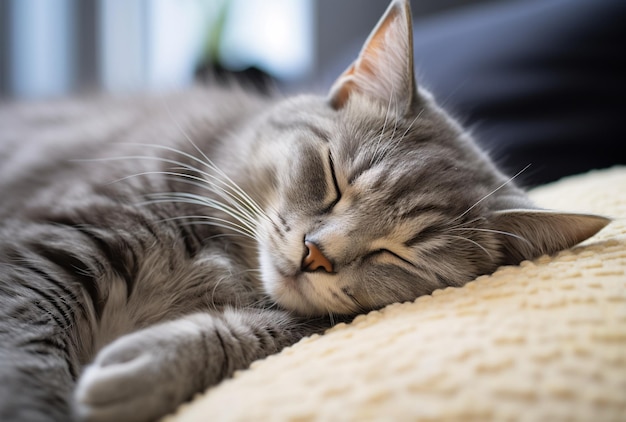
(139, 377)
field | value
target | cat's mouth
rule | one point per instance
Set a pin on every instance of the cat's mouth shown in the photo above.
(301, 289)
(290, 291)
(308, 295)
(279, 282)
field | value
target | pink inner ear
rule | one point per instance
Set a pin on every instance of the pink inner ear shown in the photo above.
(364, 66)
(342, 89)
(376, 44)
(384, 67)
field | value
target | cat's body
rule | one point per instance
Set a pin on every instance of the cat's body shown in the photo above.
(173, 240)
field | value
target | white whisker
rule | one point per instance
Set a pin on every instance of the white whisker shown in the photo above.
(509, 180)
(224, 178)
(210, 218)
(223, 226)
(232, 205)
(494, 231)
(478, 245)
(202, 201)
(397, 143)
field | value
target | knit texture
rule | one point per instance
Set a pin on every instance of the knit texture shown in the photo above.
(543, 341)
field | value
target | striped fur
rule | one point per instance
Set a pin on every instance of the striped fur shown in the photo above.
(149, 247)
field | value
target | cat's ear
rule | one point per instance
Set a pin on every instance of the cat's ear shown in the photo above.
(384, 68)
(527, 234)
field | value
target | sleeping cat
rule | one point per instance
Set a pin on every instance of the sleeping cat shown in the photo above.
(151, 248)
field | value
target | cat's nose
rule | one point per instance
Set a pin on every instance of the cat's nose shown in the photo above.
(315, 259)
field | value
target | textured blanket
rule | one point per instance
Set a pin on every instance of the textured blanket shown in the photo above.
(543, 341)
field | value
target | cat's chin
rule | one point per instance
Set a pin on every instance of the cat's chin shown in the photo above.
(290, 291)
(287, 291)
(302, 294)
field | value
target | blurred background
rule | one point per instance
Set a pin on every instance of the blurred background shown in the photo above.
(539, 82)
(54, 47)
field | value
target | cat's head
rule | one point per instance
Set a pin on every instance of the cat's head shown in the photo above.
(381, 197)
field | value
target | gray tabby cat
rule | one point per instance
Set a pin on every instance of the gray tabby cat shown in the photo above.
(131, 282)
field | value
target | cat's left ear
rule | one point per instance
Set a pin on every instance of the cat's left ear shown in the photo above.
(528, 234)
(384, 68)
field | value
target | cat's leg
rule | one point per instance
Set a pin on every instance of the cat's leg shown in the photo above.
(148, 373)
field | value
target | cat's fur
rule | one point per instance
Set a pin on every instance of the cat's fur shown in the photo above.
(166, 244)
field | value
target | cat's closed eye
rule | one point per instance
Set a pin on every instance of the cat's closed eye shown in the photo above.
(387, 253)
(334, 186)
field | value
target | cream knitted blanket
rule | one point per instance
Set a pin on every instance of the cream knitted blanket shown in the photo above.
(543, 341)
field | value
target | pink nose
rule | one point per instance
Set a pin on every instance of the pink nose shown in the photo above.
(315, 259)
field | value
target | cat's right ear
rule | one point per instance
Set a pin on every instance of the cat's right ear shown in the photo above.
(528, 234)
(383, 70)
